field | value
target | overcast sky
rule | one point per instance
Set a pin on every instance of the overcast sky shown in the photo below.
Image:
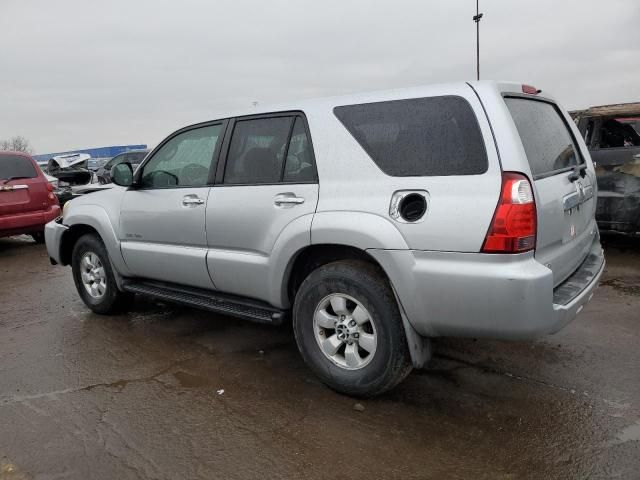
(79, 74)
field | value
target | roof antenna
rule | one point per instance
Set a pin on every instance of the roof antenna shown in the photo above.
(476, 18)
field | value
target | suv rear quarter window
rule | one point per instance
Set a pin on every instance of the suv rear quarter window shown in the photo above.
(435, 136)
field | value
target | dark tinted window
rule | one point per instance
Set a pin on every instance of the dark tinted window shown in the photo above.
(299, 165)
(12, 166)
(418, 137)
(114, 161)
(544, 134)
(257, 150)
(617, 133)
(184, 161)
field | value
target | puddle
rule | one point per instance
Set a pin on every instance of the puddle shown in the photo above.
(630, 433)
(188, 380)
(630, 288)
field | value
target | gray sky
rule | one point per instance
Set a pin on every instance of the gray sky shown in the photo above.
(79, 74)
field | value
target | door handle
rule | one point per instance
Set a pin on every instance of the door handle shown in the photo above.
(288, 199)
(191, 201)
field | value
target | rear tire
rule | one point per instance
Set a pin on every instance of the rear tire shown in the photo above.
(349, 330)
(94, 277)
(38, 237)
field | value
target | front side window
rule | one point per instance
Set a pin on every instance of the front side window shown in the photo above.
(114, 161)
(257, 150)
(183, 161)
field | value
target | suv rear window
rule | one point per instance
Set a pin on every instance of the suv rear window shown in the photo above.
(418, 137)
(545, 136)
(16, 166)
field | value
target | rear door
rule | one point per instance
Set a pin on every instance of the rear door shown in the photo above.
(22, 188)
(266, 191)
(564, 184)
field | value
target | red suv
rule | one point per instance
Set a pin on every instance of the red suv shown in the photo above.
(27, 201)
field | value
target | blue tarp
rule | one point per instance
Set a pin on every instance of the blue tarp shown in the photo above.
(100, 152)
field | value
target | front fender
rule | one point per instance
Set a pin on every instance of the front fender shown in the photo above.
(97, 218)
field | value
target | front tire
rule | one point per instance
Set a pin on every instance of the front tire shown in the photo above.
(349, 330)
(94, 278)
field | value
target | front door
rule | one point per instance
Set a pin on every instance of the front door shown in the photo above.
(264, 199)
(162, 220)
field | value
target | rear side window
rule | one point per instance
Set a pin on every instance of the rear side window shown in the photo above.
(299, 165)
(16, 166)
(433, 136)
(257, 150)
(545, 136)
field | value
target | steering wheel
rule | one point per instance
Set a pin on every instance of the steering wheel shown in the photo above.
(194, 174)
(160, 178)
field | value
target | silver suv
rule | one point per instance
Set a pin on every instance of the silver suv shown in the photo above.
(375, 222)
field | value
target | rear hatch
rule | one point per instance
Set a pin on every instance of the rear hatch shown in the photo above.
(22, 189)
(563, 182)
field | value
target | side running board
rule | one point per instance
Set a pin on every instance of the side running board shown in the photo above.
(235, 306)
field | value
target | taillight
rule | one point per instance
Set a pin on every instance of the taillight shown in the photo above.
(52, 198)
(514, 224)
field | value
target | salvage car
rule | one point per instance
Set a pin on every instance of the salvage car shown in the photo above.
(612, 134)
(375, 222)
(27, 201)
(72, 173)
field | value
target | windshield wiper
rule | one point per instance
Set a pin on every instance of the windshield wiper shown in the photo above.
(17, 177)
(578, 171)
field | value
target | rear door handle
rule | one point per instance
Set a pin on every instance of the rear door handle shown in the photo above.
(191, 200)
(287, 199)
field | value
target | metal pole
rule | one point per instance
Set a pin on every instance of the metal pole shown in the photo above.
(476, 18)
(478, 41)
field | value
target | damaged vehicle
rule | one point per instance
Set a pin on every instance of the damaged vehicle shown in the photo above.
(72, 173)
(612, 134)
(374, 222)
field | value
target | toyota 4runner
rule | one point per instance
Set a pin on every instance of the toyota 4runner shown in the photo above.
(375, 222)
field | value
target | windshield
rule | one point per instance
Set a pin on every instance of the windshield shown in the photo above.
(16, 166)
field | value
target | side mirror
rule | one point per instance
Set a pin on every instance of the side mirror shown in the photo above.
(122, 174)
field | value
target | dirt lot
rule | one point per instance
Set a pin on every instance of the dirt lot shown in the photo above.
(168, 392)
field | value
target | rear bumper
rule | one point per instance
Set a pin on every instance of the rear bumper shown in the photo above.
(53, 232)
(27, 222)
(490, 296)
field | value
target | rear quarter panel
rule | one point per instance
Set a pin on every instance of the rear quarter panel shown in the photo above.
(460, 207)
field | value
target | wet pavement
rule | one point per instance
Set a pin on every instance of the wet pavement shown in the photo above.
(169, 392)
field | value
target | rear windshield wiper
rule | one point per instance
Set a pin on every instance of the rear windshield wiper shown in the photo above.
(17, 177)
(578, 171)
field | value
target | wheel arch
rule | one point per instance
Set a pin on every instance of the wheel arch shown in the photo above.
(69, 239)
(91, 218)
(314, 256)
